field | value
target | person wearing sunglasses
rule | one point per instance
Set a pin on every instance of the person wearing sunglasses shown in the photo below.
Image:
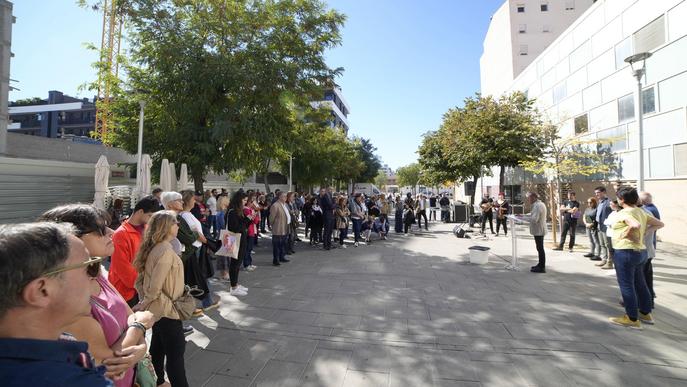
(43, 290)
(114, 333)
(161, 281)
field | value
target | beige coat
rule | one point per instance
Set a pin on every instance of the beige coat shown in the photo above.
(538, 219)
(162, 278)
(278, 219)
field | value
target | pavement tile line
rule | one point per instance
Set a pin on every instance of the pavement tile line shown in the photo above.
(416, 306)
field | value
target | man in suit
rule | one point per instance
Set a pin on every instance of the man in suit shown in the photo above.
(327, 205)
(602, 211)
(280, 219)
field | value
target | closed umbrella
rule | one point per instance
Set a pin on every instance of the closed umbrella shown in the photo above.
(102, 177)
(165, 178)
(183, 177)
(143, 177)
(172, 177)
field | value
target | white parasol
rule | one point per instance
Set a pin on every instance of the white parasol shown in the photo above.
(172, 177)
(102, 177)
(143, 177)
(183, 177)
(165, 178)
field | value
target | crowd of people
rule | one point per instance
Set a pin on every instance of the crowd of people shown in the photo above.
(81, 322)
(622, 236)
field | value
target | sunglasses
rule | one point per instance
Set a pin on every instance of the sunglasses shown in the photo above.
(92, 266)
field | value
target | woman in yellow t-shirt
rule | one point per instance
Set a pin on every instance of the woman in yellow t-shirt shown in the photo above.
(628, 242)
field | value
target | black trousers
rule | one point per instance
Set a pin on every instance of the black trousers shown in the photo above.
(234, 267)
(328, 228)
(568, 226)
(539, 242)
(490, 217)
(422, 214)
(168, 342)
(503, 222)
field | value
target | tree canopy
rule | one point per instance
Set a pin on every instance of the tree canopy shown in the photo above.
(408, 175)
(228, 83)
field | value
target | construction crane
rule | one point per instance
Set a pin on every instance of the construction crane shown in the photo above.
(109, 66)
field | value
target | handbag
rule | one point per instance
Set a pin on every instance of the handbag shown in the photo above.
(185, 305)
(231, 242)
(145, 373)
(213, 244)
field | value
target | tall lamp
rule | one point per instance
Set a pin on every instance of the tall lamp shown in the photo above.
(638, 64)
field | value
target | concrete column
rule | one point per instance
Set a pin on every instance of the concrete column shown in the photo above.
(6, 21)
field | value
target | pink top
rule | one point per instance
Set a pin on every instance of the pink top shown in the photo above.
(111, 312)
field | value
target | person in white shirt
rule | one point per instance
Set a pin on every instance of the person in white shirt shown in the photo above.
(211, 204)
(421, 211)
(537, 218)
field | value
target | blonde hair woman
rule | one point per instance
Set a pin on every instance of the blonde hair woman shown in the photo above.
(161, 280)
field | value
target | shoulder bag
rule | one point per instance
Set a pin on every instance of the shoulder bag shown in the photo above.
(185, 305)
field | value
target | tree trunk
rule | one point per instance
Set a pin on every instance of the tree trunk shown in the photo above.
(502, 178)
(197, 180)
(264, 175)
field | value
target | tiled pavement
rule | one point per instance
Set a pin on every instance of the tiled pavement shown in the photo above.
(409, 312)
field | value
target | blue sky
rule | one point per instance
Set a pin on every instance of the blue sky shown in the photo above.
(406, 61)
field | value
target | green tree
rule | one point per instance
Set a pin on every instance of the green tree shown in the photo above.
(437, 168)
(366, 152)
(380, 180)
(228, 81)
(408, 175)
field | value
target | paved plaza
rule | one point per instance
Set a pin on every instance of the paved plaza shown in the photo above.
(409, 311)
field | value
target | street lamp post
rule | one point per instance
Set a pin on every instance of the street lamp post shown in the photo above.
(291, 173)
(639, 73)
(142, 103)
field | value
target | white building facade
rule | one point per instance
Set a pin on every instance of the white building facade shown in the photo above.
(519, 31)
(583, 85)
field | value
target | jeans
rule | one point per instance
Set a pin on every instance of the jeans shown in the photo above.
(398, 221)
(212, 224)
(343, 233)
(219, 222)
(433, 213)
(248, 258)
(278, 248)
(357, 226)
(630, 273)
(649, 278)
(603, 244)
(263, 220)
(539, 242)
(168, 343)
(568, 226)
(445, 216)
(595, 248)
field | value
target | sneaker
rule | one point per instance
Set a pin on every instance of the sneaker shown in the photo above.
(595, 258)
(608, 266)
(557, 248)
(250, 268)
(187, 330)
(238, 292)
(570, 250)
(588, 255)
(625, 322)
(253, 266)
(214, 305)
(343, 246)
(245, 289)
(646, 318)
(355, 244)
(602, 263)
(537, 269)
(198, 312)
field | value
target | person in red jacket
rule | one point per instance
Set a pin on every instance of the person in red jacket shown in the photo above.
(127, 239)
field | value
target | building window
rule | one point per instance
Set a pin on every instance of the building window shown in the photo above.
(522, 28)
(648, 101)
(650, 36)
(521, 8)
(560, 91)
(622, 51)
(546, 28)
(523, 49)
(626, 108)
(661, 161)
(544, 7)
(680, 155)
(569, 5)
(616, 136)
(581, 124)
